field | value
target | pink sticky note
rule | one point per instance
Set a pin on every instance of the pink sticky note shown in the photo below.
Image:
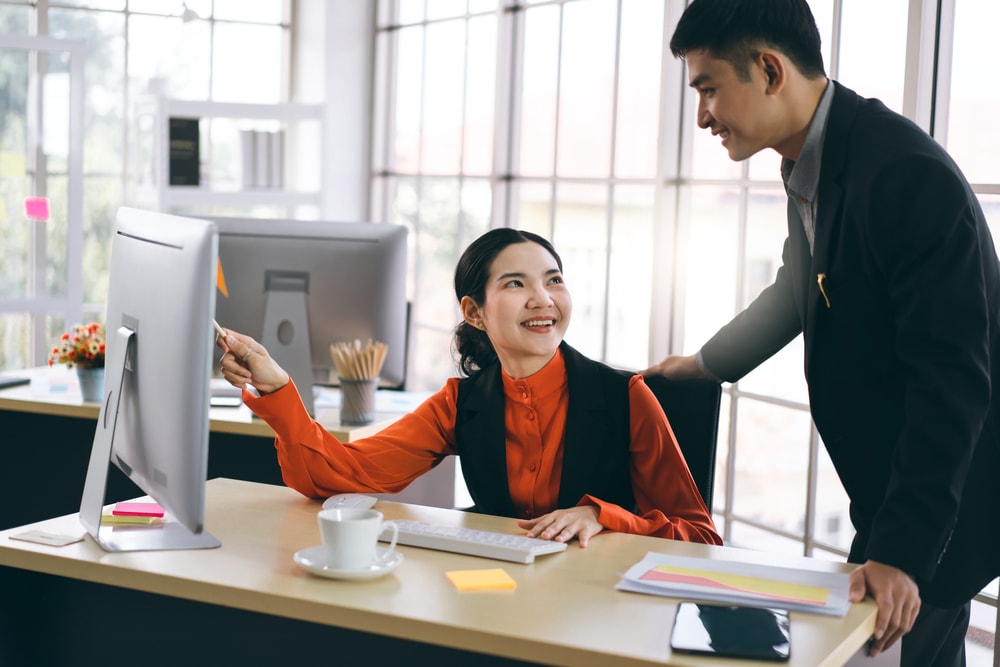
(36, 208)
(137, 509)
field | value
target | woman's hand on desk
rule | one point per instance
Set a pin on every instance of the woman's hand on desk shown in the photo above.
(563, 525)
(247, 362)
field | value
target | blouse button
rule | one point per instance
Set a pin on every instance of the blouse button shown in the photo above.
(532, 467)
(531, 416)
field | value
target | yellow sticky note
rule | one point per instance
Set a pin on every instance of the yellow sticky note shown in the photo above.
(481, 580)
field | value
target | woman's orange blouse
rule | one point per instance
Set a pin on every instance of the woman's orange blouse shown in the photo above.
(316, 464)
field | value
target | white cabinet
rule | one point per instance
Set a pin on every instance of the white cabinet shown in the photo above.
(227, 184)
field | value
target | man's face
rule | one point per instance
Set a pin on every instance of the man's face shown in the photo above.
(738, 111)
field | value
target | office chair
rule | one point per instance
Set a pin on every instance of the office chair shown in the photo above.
(692, 406)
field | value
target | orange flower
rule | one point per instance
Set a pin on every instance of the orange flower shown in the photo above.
(83, 347)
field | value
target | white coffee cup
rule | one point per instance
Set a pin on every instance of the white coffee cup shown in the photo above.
(350, 535)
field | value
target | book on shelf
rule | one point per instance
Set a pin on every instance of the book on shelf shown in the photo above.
(739, 583)
(262, 159)
(184, 151)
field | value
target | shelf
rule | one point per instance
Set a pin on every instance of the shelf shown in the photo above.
(282, 112)
(155, 192)
(197, 197)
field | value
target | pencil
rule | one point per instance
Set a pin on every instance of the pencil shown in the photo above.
(219, 331)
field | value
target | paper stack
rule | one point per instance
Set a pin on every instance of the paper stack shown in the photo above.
(733, 582)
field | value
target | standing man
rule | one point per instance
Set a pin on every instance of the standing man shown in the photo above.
(890, 273)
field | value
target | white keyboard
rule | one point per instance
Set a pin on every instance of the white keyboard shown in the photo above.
(515, 548)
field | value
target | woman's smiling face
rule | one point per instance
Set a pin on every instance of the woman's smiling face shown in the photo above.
(526, 309)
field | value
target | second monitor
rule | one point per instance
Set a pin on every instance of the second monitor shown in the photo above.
(298, 286)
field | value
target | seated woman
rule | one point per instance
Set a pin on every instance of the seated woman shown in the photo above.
(565, 444)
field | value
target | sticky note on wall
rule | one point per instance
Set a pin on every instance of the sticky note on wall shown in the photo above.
(36, 208)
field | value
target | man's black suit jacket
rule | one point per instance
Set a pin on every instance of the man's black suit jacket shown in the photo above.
(901, 350)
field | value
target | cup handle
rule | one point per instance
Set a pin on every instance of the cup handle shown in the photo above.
(387, 525)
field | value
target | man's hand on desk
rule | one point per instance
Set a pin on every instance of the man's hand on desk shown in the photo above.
(563, 525)
(897, 596)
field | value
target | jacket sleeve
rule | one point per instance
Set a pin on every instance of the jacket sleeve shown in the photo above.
(318, 465)
(669, 504)
(940, 309)
(769, 323)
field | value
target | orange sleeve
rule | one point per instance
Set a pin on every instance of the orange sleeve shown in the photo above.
(668, 500)
(318, 465)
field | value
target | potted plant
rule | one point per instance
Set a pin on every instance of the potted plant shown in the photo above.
(83, 349)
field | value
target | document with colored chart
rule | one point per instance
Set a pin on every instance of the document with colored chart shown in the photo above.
(733, 582)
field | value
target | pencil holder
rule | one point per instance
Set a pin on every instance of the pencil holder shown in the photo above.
(357, 401)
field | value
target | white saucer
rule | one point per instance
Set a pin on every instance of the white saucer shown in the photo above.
(312, 560)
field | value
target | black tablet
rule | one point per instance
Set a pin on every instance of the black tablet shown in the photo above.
(731, 631)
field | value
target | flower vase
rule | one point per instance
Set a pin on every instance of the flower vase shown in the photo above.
(91, 383)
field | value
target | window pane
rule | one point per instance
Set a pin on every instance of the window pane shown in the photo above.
(980, 642)
(873, 53)
(973, 137)
(410, 11)
(167, 56)
(443, 94)
(533, 210)
(709, 159)
(721, 493)
(477, 207)
(641, 46)
(96, 4)
(443, 9)
(409, 85)
(991, 208)
(476, 6)
(56, 232)
(750, 537)
(203, 8)
(586, 88)
(765, 166)
(104, 196)
(710, 220)
(537, 113)
(104, 73)
(580, 238)
(15, 230)
(262, 11)
(629, 277)
(14, 331)
(767, 228)
(14, 20)
(772, 456)
(439, 244)
(244, 74)
(822, 11)
(480, 96)
(833, 519)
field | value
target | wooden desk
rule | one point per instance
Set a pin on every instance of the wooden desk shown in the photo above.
(47, 431)
(565, 610)
(55, 392)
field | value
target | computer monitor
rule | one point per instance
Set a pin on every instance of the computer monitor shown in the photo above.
(299, 286)
(154, 418)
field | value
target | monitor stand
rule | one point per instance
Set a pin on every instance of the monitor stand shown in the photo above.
(285, 332)
(167, 535)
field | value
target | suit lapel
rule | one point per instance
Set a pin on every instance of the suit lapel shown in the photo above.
(483, 429)
(586, 422)
(830, 202)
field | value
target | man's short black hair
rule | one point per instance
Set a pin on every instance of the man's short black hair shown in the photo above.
(737, 30)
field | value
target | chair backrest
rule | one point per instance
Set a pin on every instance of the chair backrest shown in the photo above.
(692, 407)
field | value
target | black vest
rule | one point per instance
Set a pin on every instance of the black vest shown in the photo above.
(595, 444)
